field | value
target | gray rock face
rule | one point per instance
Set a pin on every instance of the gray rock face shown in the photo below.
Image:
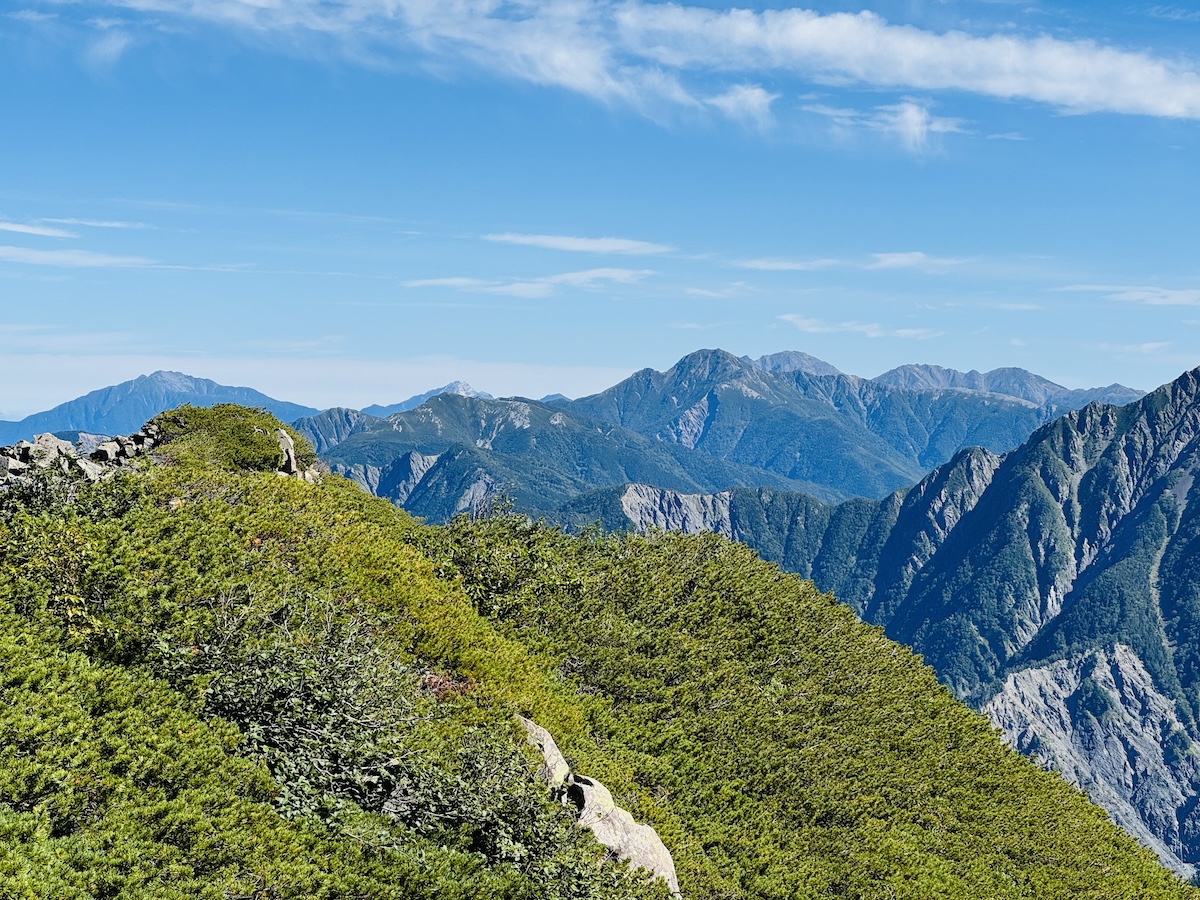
(1098, 719)
(288, 448)
(554, 770)
(614, 827)
(650, 507)
(329, 428)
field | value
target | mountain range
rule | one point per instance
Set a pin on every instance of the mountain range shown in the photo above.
(122, 408)
(787, 421)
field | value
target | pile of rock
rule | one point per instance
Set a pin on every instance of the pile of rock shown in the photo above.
(20, 462)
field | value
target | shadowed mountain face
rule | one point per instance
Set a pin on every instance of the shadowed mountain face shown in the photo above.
(457, 453)
(786, 421)
(123, 408)
(1056, 587)
(796, 416)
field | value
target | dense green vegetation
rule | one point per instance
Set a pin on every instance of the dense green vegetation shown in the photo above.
(217, 682)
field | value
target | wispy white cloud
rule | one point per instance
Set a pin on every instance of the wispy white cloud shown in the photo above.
(912, 124)
(863, 48)
(107, 47)
(747, 104)
(580, 244)
(95, 223)
(1150, 296)
(723, 292)
(37, 230)
(534, 288)
(1145, 348)
(867, 329)
(591, 276)
(914, 259)
(651, 55)
(454, 282)
(1008, 136)
(788, 265)
(71, 259)
(30, 15)
(909, 122)
(1174, 14)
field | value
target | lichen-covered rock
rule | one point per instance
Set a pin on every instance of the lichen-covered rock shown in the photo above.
(288, 448)
(614, 827)
(554, 770)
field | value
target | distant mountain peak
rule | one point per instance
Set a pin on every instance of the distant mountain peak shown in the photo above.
(461, 388)
(1008, 381)
(122, 408)
(793, 361)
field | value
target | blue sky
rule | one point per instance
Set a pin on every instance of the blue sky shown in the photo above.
(345, 203)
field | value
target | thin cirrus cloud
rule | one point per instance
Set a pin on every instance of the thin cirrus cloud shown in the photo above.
(867, 329)
(914, 259)
(748, 104)
(535, 288)
(94, 223)
(574, 244)
(910, 122)
(662, 55)
(909, 259)
(71, 259)
(36, 230)
(1150, 296)
(788, 265)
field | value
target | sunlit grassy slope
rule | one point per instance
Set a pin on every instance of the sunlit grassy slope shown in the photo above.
(217, 682)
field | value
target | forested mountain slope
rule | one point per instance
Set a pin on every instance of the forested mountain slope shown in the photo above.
(1057, 587)
(456, 453)
(220, 682)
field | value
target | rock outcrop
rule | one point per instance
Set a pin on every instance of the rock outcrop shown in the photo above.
(21, 462)
(612, 826)
(1099, 720)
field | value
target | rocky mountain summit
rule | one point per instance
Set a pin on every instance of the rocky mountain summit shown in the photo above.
(21, 463)
(1055, 587)
(461, 388)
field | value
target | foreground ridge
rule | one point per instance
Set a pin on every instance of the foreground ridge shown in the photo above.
(264, 687)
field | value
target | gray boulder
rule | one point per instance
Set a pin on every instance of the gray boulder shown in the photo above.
(288, 447)
(614, 827)
(554, 770)
(49, 450)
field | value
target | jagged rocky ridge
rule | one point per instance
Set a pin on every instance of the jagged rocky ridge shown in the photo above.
(1023, 579)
